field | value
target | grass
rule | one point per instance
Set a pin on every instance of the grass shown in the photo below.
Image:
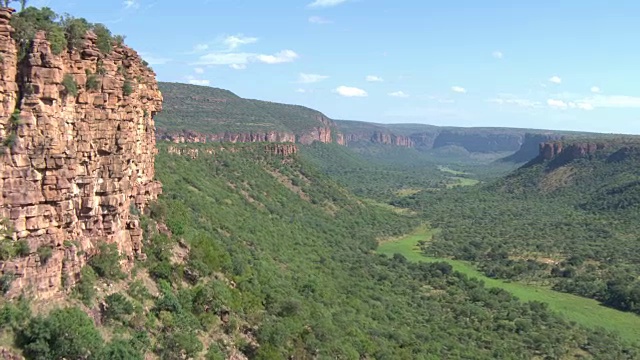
(451, 171)
(461, 181)
(586, 312)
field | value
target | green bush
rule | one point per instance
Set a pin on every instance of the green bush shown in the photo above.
(22, 248)
(127, 87)
(215, 353)
(70, 85)
(44, 252)
(106, 262)
(92, 81)
(75, 30)
(10, 140)
(120, 349)
(103, 38)
(5, 282)
(117, 306)
(63, 334)
(85, 288)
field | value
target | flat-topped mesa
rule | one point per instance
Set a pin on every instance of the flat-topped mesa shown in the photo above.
(75, 161)
(379, 137)
(555, 149)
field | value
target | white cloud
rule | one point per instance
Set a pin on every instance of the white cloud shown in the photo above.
(200, 47)
(510, 99)
(373, 78)
(199, 82)
(199, 70)
(301, 91)
(614, 101)
(458, 89)
(595, 89)
(555, 79)
(558, 104)
(399, 94)
(131, 4)
(310, 78)
(325, 3)
(497, 54)
(585, 106)
(239, 61)
(319, 20)
(235, 41)
(283, 56)
(224, 59)
(348, 91)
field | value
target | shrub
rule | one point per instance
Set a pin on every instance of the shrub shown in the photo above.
(215, 353)
(5, 282)
(100, 70)
(10, 140)
(127, 88)
(64, 334)
(44, 252)
(107, 262)
(75, 30)
(117, 306)
(120, 349)
(86, 286)
(70, 85)
(56, 38)
(92, 81)
(119, 39)
(103, 38)
(22, 248)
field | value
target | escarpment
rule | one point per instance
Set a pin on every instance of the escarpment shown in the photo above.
(203, 114)
(79, 147)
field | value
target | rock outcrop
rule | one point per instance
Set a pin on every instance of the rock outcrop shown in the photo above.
(571, 151)
(187, 136)
(74, 163)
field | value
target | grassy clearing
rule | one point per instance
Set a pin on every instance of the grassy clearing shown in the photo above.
(451, 171)
(461, 181)
(586, 312)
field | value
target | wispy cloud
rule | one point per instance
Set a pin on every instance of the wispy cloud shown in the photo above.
(325, 3)
(556, 103)
(319, 20)
(200, 47)
(555, 79)
(614, 101)
(238, 66)
(459, 89)
(234, 41)
(198, 70)
(374, 78)
(564, 105)
(398, 94)
(510, 99)
(497, 54)
(131, 4)
(595, 90)
(238, 59)
(310, 78)
(194, 81)
(349, 91)
(301, 90)
(284, 56)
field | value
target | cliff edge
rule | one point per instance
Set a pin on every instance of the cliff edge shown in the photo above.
(78, 155)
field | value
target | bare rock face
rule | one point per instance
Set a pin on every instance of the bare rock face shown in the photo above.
(79, 161)
(556, 149)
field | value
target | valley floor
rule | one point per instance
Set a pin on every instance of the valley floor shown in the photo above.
(586, 312)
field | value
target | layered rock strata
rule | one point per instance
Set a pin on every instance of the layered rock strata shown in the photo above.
(75, 163)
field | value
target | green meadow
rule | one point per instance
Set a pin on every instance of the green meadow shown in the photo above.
(587, 312)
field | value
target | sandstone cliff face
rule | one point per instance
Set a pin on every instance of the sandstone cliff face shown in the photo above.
(285, 150)
(557, 149)
(380, 137)
(78, 163)
(188, 136)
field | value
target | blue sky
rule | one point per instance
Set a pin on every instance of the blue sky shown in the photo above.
(539, 64)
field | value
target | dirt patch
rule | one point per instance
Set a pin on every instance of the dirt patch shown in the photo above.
(557, 179)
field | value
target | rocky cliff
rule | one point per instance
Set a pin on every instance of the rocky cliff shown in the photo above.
(203, 114)
(530, 147)
(75, 161)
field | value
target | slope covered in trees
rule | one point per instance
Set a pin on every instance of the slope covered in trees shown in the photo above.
(569, 221)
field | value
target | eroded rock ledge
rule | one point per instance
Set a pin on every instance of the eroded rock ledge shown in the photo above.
(75, 164)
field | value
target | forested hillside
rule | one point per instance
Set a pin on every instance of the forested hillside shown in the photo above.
(568, 219)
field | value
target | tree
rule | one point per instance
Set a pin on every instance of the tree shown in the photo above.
(65, 333)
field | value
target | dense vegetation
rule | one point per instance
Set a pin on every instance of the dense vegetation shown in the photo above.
(210, 110)
(570, 223)
(266, 250)
(62, 32)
